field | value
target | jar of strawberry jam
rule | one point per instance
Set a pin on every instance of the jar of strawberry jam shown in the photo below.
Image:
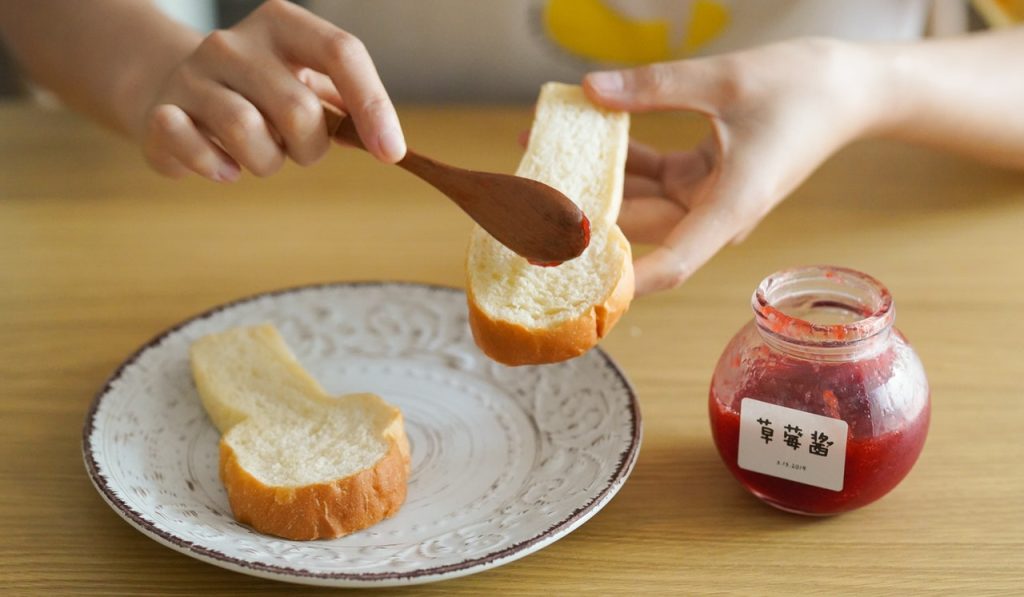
(819, 405)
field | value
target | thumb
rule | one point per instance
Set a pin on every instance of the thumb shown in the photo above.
(683, 85)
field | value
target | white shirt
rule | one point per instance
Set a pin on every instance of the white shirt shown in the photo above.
(478, 50)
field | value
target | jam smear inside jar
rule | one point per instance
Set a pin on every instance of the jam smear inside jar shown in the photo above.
(822, 341)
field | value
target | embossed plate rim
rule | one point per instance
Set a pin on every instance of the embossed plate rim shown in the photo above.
(624, 466)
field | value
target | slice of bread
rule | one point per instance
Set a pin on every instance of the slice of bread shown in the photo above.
(526, 314)
(296, 462)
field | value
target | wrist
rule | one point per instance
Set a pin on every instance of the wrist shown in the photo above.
(847, 84)
(885, 73)
(140, 81)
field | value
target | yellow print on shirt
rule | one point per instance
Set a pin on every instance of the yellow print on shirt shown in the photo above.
(596, 31)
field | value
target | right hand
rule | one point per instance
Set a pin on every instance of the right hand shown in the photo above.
(249, 96)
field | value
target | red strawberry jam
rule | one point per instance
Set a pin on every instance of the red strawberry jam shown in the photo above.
(822, 342)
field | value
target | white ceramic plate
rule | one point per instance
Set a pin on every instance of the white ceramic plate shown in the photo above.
(505, 461)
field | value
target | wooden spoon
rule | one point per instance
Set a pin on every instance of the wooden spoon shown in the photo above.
(529, 217)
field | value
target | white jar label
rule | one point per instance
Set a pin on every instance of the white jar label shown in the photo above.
(792, 444)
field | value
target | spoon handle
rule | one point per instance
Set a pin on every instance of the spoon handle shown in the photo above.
(527, 216)
(431, 171)
(341, 126)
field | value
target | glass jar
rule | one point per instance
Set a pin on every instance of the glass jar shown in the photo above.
(819, 405)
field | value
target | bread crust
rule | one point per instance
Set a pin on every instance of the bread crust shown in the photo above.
(514, 344)
(321, 510)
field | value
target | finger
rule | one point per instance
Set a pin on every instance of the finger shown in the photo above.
(686, 175)
(293, 109)
(260, 77)
(172, 136)
(322, 86)
(743, 234)
(311, 41)
(165, 163)
(658, 271)
(523, 138)
(238, 125)
(688, 246)
(648, 220)
(699, 85)
(644, 160)
(640, 186)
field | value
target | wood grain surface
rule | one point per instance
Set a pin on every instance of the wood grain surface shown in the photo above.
(98, 254)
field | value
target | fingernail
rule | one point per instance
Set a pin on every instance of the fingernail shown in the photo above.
(606, 82)
(227, 173)
(392, 144)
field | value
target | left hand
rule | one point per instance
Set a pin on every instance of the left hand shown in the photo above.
(776, 112)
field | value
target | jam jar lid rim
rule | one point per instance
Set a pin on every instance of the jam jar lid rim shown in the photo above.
(779, 323)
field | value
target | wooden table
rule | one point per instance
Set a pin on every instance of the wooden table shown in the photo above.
(97, 255)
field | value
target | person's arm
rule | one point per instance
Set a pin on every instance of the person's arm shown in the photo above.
(963, 94)
(104, 57)
(778, 111)
(242, 97)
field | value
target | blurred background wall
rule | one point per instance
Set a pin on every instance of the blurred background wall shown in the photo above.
(948, 16)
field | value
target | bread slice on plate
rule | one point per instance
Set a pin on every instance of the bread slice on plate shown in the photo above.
(527, 314)
(296, 462)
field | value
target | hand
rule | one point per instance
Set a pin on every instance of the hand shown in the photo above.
(250, 95)
(776, 113)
